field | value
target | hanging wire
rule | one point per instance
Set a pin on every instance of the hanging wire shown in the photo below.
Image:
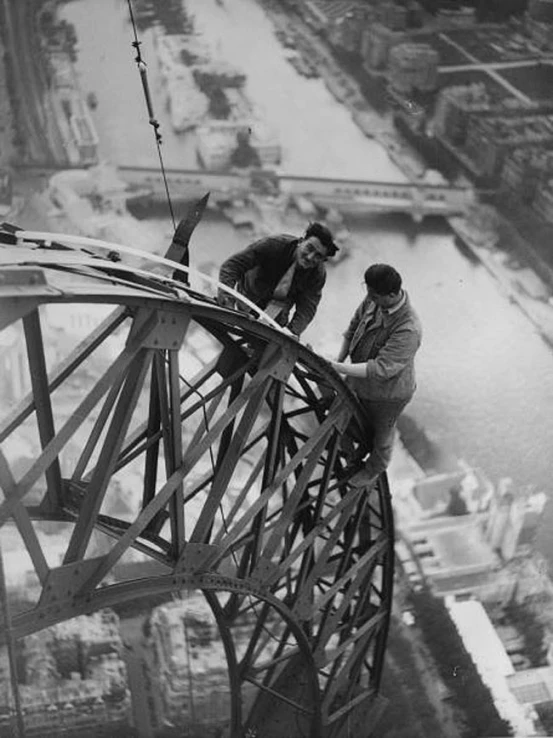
(142, 68)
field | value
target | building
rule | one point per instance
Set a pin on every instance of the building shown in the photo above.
(513, 521)
(73, 679)
(413, 67)
(540, 33)
(15, 380)
(6, 191)
(457, 17)
(456, 559)
(218, 140)
(83, 131)
(72, 114)
(514, 644)
(453, 493)
(525, 170)
(465, 532)
(314, 12)
(491, 138)
(532, 686)
(187, 657)
(493, 664)
(543, 201)
(540, 11)
(187, 105)
(534, 587)
(346, 32)
(454, 107)
(377, 42)
(393, 15)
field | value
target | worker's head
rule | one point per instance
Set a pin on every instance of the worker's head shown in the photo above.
(315, 246)
(383, 284)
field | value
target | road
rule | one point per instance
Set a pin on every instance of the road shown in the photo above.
(477, 64)
(486, 66)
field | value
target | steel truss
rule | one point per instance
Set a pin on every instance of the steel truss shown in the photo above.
(236, 433)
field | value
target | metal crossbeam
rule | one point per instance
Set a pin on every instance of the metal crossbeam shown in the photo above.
(241, 495)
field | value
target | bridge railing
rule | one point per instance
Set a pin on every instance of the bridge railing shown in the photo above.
(426, 197)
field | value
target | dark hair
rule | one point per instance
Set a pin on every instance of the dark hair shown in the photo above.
(383, 279)
(324, 235)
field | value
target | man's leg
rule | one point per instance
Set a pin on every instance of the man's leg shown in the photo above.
(384, 415)
(355, 444)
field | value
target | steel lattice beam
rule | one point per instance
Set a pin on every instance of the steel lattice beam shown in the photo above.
(241, 496)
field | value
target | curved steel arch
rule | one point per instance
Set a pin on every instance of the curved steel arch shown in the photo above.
(235, 433)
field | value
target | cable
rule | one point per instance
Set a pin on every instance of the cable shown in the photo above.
(141, 64)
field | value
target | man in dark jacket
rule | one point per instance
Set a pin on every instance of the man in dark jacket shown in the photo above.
(281, 272)
(381, 341)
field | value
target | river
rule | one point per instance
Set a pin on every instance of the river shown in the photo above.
(485, 376)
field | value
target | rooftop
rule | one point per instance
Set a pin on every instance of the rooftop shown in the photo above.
(456, 542)
(494, 43)
(535, 81)
(434, 492)
(491, 660)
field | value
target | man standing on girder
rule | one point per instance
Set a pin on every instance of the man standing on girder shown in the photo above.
(281, 272)
(382, 339)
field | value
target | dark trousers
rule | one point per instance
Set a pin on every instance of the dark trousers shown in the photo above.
(383, 416)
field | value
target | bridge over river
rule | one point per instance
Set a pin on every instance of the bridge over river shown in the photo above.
(349, 195)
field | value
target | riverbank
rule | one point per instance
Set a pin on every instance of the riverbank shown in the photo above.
(521, 269)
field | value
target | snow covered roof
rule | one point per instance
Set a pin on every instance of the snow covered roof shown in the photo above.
(457, 542)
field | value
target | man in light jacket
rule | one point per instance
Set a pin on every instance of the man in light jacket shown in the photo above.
(381, 341)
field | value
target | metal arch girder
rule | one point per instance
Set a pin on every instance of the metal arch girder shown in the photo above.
(164, 495)
(232, 663)
(288, 355)
(15, 308)
(231, 320)
(27, 405)
(305, 609)
(168, 331)
(68, 607)
(64, 582)
(57, 444)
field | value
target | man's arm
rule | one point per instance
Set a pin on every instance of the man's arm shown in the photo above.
(305, 309)
(234, 268)
(344, 348)
(398, 351)
(350, 370)
(350, 332)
